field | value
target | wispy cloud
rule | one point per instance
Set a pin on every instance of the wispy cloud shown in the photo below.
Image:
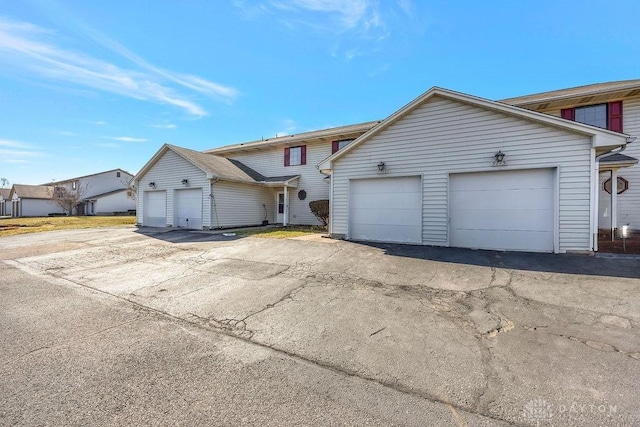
(164, 126)
(354, 23)
(128, 139)
(9, 143)
(98, 122)
(289, 126)
(33, 49)
(17, 152)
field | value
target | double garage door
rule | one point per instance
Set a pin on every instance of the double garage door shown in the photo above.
(187, 208)
(506, 210)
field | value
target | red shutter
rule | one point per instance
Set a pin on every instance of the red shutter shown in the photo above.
(334, 146)
(303, 155)
(615, 116)
(568, 113)
(287, 157)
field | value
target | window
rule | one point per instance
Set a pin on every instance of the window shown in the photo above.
(295, 156)
(117, 174)
(339, 145)
(606, 116)
(74, 185)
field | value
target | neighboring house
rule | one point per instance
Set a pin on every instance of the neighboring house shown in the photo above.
(614, 106)
(450, 169)
(268, 181)
(33, 200)
(102, 193)
(5, 202)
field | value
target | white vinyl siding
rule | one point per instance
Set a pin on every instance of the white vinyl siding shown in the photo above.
(629, 201)
(235, 204)
(270, 162)
(117, 202)
(168, 173)
(38, 207)
(443, 136)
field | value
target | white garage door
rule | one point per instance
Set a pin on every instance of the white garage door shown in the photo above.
(188, 207)
(509, 210)
(155, 208)
(386, 209)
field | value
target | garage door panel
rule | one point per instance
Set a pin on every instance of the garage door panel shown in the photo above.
(155, 208)
(188, 205)
(502, 219)
(386, 209)
(511, 180)
(519, 240)
(388, 216)
(386, 200)
(400, 233)
(536, 198)
(509, 210)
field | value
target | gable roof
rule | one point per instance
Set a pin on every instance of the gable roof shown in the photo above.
(88, 176)
(618, 159)
(32, 191)
(600, 137)
(588, 94)
(215, 167)
(5, 193)
(323, 135)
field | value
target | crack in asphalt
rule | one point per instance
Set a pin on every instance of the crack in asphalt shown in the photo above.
(63, 343)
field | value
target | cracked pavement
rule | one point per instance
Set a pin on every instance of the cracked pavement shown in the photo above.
(484, 335)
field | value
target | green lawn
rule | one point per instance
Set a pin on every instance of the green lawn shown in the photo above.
(282, 232)
(14, 226)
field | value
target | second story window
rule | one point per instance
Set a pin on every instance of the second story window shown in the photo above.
(606, 116)
(339, 145)
(74, 185)
(295, 156)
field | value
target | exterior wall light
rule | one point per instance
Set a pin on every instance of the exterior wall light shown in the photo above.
(499, 156)
(152, 184)
(382, 167)
(185, 182)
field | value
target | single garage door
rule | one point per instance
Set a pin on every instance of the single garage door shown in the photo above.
(509, 210)
(386, 209)
(188, 208)
(155, 208)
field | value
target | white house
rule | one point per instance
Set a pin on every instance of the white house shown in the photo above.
(102, 193)
(267, 181)
(614, 106)
(5, 202)
(450, 169)
(33, 200)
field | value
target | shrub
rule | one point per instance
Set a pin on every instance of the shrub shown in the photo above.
(320, 208)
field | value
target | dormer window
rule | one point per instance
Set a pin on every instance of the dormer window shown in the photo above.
(339, 145)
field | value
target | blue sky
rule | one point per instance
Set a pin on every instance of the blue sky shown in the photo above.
(92, 85)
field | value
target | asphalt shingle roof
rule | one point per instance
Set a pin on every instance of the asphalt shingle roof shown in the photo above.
(33, 191)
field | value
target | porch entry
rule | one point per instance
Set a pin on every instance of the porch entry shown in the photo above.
(280, 205)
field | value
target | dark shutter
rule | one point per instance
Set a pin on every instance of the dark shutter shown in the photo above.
(287, 157)
(568, 113)
(303, 155)
(334, 147)
(615, 116)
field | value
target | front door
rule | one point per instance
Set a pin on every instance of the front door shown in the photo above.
(280, 207)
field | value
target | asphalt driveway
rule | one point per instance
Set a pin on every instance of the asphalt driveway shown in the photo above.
(482, 337)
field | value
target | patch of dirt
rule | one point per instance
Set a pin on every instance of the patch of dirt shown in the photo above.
(605, 244)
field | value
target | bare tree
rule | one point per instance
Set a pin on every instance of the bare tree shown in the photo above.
(132, 191)
(69, 196)
(4, 183)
